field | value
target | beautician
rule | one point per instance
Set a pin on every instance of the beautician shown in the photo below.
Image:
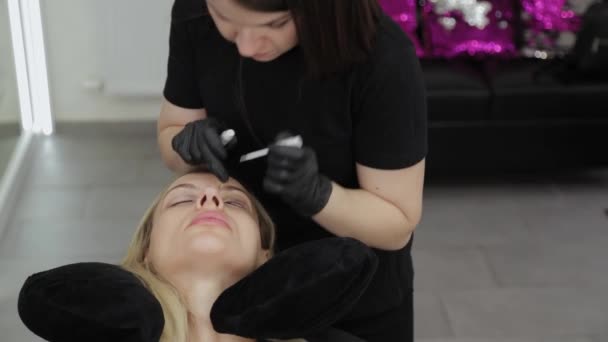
(346, 79)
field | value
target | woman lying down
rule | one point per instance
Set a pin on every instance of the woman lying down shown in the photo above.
(201, 268)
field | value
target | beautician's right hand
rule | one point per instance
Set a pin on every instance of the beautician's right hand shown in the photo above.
(199, 143)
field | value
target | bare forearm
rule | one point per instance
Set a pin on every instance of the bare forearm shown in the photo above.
(362, 215)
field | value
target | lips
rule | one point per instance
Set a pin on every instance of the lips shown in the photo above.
(211, 218)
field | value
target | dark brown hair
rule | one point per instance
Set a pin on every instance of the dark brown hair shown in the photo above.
(333, 34)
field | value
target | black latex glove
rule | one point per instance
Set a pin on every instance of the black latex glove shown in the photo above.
(199, 143)
(293, 175)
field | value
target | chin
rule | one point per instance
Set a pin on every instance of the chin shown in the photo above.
(207, 244)
(266, 58)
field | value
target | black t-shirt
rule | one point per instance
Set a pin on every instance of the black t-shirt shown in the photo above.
(373, 114)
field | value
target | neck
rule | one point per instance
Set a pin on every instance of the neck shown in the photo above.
(199, 295)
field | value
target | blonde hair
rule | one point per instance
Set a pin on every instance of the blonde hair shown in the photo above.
(173, 306)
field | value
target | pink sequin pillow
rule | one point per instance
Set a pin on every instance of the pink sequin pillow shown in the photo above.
(469, 27)
(403, 13)
(550, 26)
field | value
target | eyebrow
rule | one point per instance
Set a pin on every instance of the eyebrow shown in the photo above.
(272, 22)
(192, 186)
(232, 187)
(183, 185)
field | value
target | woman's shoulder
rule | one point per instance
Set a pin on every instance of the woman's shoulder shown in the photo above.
(393, 56)
(185, 10)
(392, 44)
(192, 18)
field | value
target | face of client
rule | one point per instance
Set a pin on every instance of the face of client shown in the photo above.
(205, 227)
(200, 237)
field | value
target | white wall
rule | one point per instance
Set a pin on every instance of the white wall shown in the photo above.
(75, 33)
(9, 101)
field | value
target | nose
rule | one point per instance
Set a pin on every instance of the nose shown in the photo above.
(247, 42)
(210, 199)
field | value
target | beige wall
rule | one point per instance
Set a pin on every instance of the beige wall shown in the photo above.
(9, 101)
(74, 37)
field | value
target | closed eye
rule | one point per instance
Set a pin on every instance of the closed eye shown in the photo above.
(236, 203)
(279, 24)
(179, 203)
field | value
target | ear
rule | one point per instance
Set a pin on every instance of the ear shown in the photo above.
(299, 292)
(90, 302)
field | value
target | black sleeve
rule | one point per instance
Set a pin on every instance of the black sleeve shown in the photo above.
(181, 85)
(333, 335)
(390, 113)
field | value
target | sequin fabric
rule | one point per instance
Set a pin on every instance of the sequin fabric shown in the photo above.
(550, 26)
(403, 12)
(469, 27)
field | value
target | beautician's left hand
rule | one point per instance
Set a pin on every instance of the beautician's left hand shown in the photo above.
(293, 175)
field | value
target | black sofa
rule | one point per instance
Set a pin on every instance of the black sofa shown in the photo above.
(504, 115)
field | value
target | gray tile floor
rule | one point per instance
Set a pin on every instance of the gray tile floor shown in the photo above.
(511, 260)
